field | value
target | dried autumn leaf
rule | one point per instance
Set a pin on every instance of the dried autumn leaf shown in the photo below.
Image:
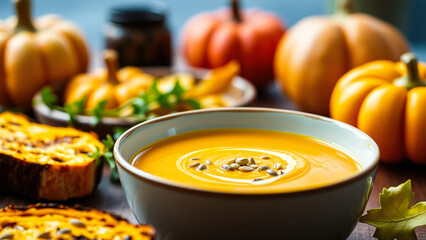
(395, 218)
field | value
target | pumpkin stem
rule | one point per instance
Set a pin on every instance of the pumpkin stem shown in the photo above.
(412, 78)
(236, 15)
(23, 14)
(111, 62)
(343, 7)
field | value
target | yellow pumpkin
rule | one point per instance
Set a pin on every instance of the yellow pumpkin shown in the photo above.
(387, 101)
(114, 85)
(33, 55)
(318, 50)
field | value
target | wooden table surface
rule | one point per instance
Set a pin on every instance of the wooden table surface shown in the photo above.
(110, 197)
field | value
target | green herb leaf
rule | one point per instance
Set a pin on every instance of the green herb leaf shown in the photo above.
(107, 153)
(98, 111)
(193, 103)
(48, 98)
(139, 106)
(96, 155)
(108, 156)
(177, 90)
(117, 131)
(73, 109)
(114, 177)
(395, 218)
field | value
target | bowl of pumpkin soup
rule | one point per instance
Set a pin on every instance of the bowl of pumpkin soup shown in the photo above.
(247, 173)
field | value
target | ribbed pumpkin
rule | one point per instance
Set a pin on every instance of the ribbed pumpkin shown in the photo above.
(113, 84)
(33, 55)
(213, 39)
(318, 50)
(387, 101)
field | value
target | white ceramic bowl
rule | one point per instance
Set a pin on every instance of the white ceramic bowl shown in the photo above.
(181, 212)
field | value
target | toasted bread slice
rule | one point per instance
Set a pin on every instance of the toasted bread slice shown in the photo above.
(45, 162)
(52, 221)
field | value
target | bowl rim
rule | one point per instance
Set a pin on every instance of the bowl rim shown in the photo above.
(147, 177)
(38, 106)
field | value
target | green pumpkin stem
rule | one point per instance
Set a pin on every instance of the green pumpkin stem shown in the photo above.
(111, 62)
(342, 8)
(412, 78)
(236, 15)
(23, 14)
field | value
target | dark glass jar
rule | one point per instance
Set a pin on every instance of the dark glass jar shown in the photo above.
(139, 34)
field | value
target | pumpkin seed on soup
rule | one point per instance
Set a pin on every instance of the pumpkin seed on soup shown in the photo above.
(227, 168)
(263, 168)
(253, 166)
(257, 179)
(278, 166)
(231, 161)
(245, 169)
(192, 165)
(271, 172)
(242, 161)
(201, 167)
(235, 165)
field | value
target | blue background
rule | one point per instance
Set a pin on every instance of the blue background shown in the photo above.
(91, 15)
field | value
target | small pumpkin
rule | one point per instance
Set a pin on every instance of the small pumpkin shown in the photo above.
(387, 101)
(213, 39)
(114, 85)
(318, 50)
(34, 54)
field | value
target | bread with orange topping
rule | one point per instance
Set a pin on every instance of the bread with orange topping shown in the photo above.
(52, 221)
(44, 162)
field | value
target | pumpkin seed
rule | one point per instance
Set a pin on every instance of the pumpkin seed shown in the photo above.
(264, 157)
(251, 160)
(44, 235)
(227, 168)
(77, 223)
(245, 169)
(253, 166)
(242, 161)
(201, 167)
(271, 172)
(235, 166)
(278, 166)
(19, 228)
(196, 164)
(231, 161)
(194, 158)
(127, 238)
(5, 236)
(208, 162)
(257, 179)
(263, 168)
(64, 231)
(281, 172)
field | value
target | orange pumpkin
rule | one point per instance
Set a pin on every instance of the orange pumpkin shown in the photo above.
(33, 55)
(114, 85)
(213, 39)
(318, 50)
(387, 101)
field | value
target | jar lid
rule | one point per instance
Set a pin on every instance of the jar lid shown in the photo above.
(153, 12)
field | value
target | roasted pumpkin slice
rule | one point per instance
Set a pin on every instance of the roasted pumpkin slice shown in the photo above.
(45, 162)
(51, 221)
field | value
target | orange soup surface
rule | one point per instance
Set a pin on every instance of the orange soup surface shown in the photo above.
(246, 161)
